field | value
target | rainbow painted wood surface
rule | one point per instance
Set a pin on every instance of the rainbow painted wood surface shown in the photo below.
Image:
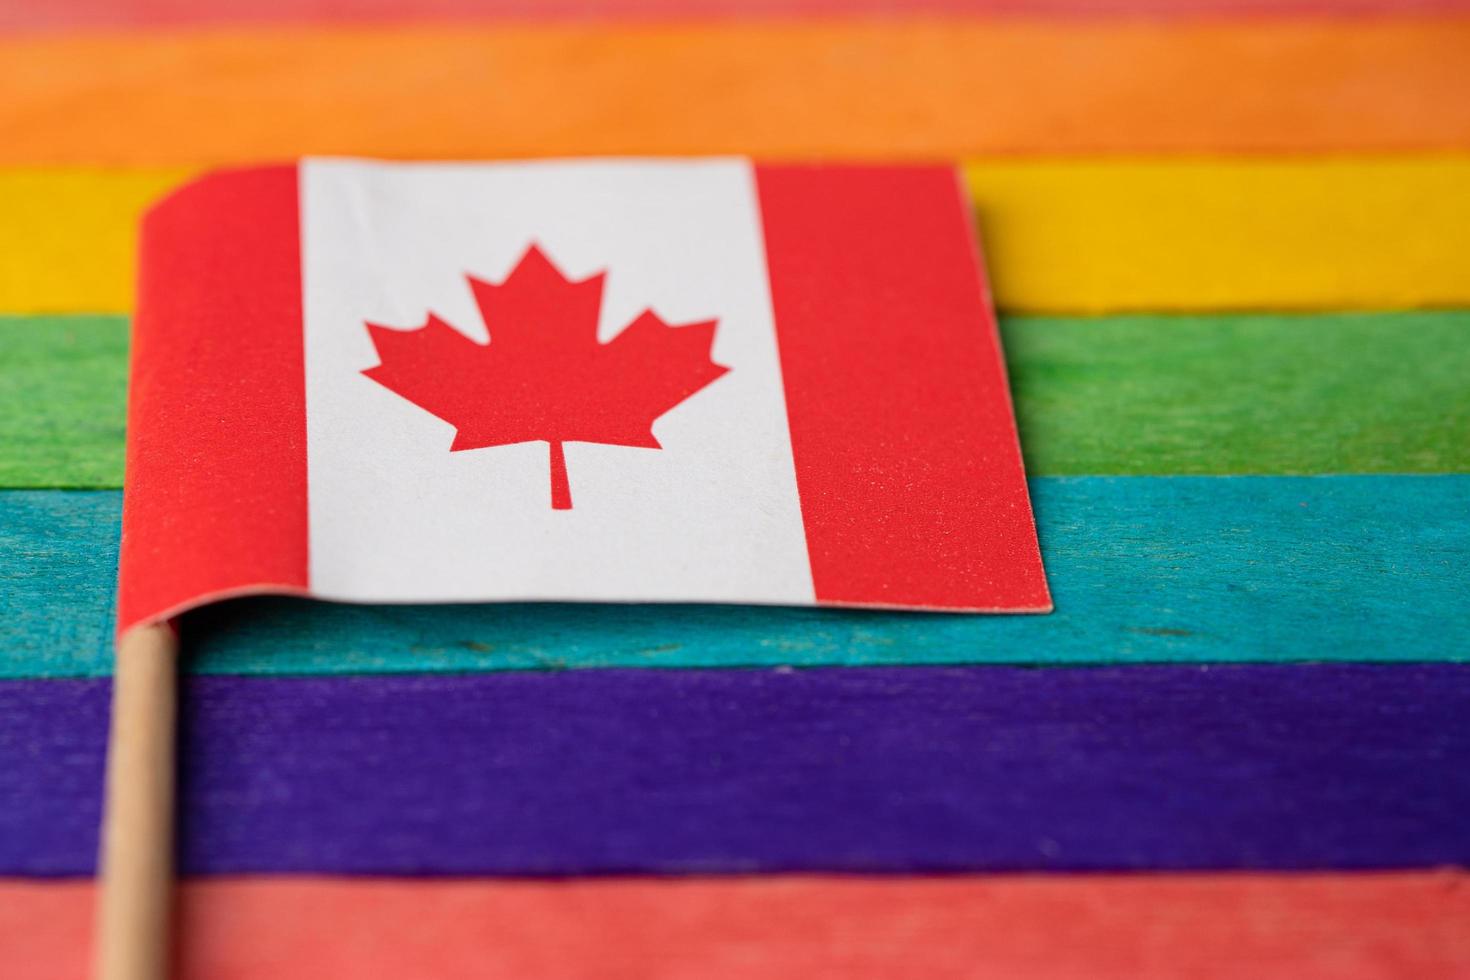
(1232, 244)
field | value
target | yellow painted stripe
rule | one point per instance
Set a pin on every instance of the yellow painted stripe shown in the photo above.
(67, 237)
(1060, 235)
(1347, 233)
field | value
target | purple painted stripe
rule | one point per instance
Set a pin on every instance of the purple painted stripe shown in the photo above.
(856, 769)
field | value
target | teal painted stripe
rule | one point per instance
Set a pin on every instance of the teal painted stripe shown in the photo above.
(1144, 569)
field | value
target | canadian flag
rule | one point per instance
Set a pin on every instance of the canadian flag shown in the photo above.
(593, 380)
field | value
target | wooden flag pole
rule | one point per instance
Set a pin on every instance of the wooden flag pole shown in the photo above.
(136, 888)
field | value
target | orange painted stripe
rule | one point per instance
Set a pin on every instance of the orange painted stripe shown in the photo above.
(1206, 927)
(910, 89)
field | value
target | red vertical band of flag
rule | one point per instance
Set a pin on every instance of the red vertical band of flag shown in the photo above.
(216, 459)
(911, 482)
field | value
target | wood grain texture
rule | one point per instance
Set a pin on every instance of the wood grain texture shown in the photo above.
(1143, 569)
(1366, 926)
(1263, 394)
(914, 89)
(863, 769)
(1124, 395)
(1062, 236)
(63, 401)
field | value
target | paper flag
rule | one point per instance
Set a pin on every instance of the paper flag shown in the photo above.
(601, 380)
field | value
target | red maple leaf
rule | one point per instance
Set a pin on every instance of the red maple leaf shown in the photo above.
(544, 376)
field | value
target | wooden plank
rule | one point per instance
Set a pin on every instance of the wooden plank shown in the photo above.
(1226, 395)
(1098, 236)
(1127, 395)
(1105, 927)
(898, 770)
(1143, 569)
(915, 89)
(1061, 235)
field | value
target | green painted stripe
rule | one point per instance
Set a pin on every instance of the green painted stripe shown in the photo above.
(1143, 569)
(63, 401)
(1122, 395)
(1228, 395)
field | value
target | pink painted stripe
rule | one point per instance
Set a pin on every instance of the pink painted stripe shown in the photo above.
(911, 482)
(1104, 927)
(216, 460)
(62, 15)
